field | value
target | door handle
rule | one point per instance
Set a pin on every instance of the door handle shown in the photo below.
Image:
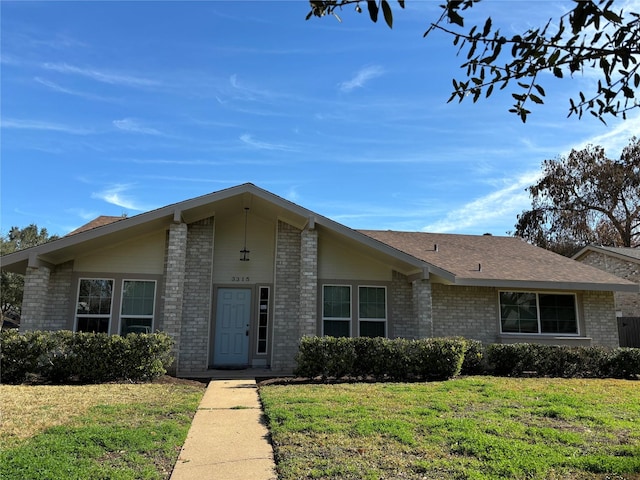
(246, 333)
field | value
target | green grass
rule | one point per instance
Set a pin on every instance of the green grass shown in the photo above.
(468, 428)
(134, 434)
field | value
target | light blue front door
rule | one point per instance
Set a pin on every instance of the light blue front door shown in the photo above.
(233, 316)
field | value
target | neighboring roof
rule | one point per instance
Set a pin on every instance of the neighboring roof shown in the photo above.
(100, 221)
(460, 259)
(628, 254)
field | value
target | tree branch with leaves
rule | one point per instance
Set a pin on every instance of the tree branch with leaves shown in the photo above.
(591, 37)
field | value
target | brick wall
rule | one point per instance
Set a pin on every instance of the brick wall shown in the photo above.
(626, 302)
(423, 306)
(308, 282)
(45, 302)
(196, 310)
(174, 286)
(403, 323)
(286, 330)
(34, 299)
(599, 318)
(470, 312)
(59, 312)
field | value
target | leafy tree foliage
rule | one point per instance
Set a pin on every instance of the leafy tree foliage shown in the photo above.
(585, 198)
(12, 284)
(593, 36)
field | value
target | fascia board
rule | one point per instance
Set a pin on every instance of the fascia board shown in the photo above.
(523, 284)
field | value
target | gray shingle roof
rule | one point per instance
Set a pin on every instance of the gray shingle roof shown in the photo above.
(490, 258)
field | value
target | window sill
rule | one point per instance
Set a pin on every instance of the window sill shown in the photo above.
(574, 340)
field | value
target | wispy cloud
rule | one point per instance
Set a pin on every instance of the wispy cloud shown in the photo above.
(85, 215)
(361, 78)
(59, 88)
(133, 126)
(40, 125)
(506, 202)
(246, 92)
(101, 76)
(116, 195)
(257, 144)
(616, 138)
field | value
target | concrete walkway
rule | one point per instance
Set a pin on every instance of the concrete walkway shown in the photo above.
(228, 439)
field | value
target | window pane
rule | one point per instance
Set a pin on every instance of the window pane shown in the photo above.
(137, 297)
(372, 329)
(93, 324)
(336, 328)
(337, 301)
(94, 297)
(135, 325)
(518, 312)
(372, 302)
(558, 313)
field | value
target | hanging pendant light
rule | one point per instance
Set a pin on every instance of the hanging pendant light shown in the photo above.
(244, 251)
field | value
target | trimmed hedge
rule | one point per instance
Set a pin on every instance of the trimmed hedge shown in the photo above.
(380, 358)
(65, 357)
(444, 358)
(525, 359)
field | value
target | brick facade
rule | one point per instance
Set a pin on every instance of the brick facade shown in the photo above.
(60, 299)
(172, 299)
(627, 303)
(599, 318)
(308, 282)
(471, 312)
(196, 305)
(34, 299)
(286, 313)
(403, 323)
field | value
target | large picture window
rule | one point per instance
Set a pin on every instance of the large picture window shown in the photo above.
(138, 300)
(372, 311)
(93, 309)
(336, 310)
(534, 313)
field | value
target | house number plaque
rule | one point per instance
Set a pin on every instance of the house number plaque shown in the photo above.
(239, 279)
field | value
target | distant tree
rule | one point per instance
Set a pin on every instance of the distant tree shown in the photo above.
(585, 198)
(12, 284)
(592, 36)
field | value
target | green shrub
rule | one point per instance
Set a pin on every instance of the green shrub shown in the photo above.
(624, 363)
(21, 355)
(473, 363)
(437, 358)
(379, 358)
(63, 357)
(562, 361)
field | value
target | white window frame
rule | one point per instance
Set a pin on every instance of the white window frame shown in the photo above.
(386, 309)
(143, 317)
(108, 316)
(343, 319)
(537, 293)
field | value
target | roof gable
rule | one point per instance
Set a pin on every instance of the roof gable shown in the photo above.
(629, 254)
(457, 259)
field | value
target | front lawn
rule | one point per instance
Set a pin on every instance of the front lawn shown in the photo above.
(112, 431)
(468, 428)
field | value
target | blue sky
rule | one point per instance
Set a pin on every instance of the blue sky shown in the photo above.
(113, 108)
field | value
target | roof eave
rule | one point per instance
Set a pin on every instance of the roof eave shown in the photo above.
(548, 285)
